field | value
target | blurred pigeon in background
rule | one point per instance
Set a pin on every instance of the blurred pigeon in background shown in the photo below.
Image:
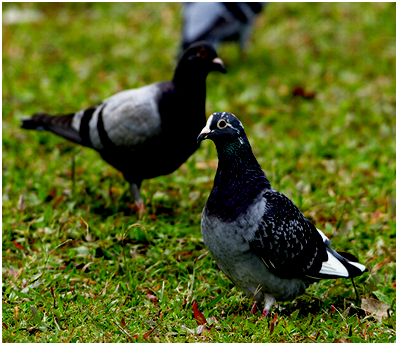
(256, 235)
(216, 22)
(144, 132)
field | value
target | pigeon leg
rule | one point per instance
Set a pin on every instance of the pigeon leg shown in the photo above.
(135, 193)
(253, 310)
(269, 301)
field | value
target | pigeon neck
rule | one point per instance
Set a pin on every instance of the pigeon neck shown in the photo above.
(188, 78)
(239, 180)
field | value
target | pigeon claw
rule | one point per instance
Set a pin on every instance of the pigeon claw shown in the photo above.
(138, 207)
(141, 209)
(253, 310)
(269, 301)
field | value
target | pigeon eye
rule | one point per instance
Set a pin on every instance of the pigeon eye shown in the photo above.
(202, 53)
(221, 124)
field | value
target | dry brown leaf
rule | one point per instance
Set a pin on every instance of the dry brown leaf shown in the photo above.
(197, 314)
(382, 263)
(152, 297)
(16, 244)
(374, 307)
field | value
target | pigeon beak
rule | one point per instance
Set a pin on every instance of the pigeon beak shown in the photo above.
(204, 133)
(218, 65)
(202, 136)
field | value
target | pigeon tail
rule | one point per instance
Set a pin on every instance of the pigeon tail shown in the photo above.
(61, 125)
(337, 266)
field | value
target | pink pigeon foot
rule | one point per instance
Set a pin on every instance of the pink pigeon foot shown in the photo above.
(253, 310)
(269, 301)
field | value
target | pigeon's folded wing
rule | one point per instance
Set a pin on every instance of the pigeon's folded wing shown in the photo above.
(288, 244)
(126, 119)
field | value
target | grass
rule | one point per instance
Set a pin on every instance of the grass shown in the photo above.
(78, 265)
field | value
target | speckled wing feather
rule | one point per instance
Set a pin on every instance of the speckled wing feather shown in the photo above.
(289, 245)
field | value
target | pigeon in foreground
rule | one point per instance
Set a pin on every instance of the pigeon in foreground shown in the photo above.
(256, 235)
(136, 130)
(216, 22)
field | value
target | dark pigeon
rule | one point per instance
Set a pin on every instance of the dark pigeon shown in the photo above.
(217, 22)
(144, 132)
(257, 236)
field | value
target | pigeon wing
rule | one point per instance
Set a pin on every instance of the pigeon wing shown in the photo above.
(288, 244)
(127, 119)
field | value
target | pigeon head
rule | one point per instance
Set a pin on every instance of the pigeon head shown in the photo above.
(223, 127)
(201, 57)
(239, 178)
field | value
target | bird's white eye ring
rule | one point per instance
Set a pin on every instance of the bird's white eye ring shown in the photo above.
(221, 124)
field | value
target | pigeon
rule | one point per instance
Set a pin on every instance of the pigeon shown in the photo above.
(136, 130)
(216, 22)
(256, 235)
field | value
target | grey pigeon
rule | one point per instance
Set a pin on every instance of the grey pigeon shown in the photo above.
(216, 22)
(256, 235)
(144, 132)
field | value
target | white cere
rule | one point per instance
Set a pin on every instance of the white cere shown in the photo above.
(206, 129)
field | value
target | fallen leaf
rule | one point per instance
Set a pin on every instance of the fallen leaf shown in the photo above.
(200, 319)
(16, 244)
(151, 296)
(123, 322)
(5, 325)
(382, 263)
(374, 307)
(300, 92)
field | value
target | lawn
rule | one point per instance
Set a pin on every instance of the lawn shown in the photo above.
(316, 94)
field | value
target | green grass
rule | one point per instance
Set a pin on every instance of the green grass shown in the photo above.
(78, 265)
